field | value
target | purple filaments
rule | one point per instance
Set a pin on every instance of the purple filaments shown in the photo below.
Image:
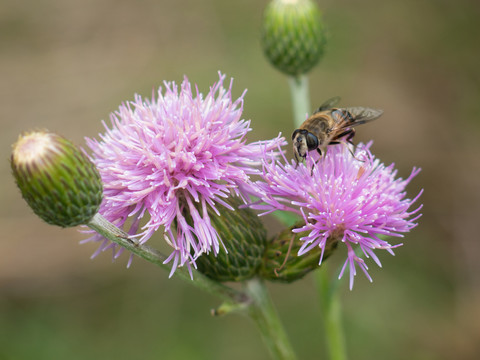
(354, 199)
(169, 159)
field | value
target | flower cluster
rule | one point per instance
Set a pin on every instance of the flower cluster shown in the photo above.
(172, 158)
(353, 199)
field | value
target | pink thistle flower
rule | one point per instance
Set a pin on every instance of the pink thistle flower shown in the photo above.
(174, 156)
(353, 199)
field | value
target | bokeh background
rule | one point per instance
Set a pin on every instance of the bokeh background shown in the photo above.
(65, 65)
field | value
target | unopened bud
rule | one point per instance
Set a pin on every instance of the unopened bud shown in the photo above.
(293, 35)
(244, 237)
(57, 180)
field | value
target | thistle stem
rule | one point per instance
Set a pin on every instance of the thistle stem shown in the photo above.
(332, 315)
(300, 98)
(263, 312)
(255, 298)
(328, 291)
(118, 236)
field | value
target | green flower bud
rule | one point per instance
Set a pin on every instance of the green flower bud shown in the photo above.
(281, 262)
(57, 180)
(244, 237)
(293, 35)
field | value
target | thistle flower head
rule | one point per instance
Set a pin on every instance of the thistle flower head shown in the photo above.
(355, 200)
(173, 157)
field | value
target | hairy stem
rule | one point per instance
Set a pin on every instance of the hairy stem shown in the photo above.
(332, 315)
(263, 312)
(118, 236)
(300, 98)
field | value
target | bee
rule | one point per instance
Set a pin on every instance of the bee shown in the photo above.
(329, 125)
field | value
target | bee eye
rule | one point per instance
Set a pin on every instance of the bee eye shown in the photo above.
(295, 133)
(312, 141)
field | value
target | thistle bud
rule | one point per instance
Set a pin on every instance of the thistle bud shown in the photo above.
(281, 262)
(57, 180)
(293, 35)
(244, 237)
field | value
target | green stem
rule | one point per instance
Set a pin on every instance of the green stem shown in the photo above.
(118, 236)
(331, 309)
(300, 98)
(255, 298)
(263, 312)
(328, 291)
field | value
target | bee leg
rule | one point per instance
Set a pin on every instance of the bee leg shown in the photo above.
(350, 134)
(313, 166)
(349, 138)
(296, 160)
(351, 152)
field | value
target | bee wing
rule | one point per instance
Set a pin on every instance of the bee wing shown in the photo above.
(330, 103)
(361, 114)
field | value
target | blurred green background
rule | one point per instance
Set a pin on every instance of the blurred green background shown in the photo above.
(65, 65)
